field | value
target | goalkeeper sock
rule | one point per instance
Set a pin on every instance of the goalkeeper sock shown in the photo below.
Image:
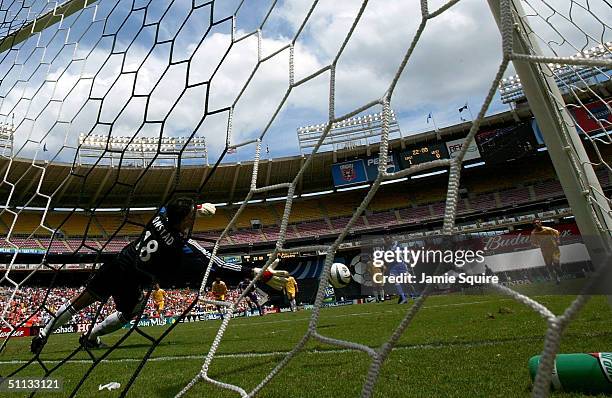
(63, 315)
(111, 323)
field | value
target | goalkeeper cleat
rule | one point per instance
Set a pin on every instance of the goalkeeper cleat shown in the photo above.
(38, 343)
(88, 343)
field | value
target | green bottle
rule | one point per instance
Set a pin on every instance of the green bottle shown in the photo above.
(587, 373)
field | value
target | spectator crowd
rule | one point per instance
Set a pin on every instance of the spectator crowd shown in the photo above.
(35, 304)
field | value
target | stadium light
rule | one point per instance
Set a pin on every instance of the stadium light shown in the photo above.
(305, 195)
(142, 150)
(511, 89)
(248, 202)
(394, 181)
(433, 173)
(469, 166)
(353, 188)
(6, 138)
(277, 198)
(348, 133)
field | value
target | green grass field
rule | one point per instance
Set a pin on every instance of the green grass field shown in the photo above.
(453, 348)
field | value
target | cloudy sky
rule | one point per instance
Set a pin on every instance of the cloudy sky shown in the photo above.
(146, 71)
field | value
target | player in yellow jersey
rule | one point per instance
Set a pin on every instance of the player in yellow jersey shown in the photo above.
(291, 289)
(219, 290)
(378, 284)
(159, 295)
(547, 239)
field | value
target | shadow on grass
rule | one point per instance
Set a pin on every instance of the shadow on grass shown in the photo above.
(170, 390)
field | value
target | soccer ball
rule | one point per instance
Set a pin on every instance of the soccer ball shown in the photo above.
(359, 264)
(339, 276)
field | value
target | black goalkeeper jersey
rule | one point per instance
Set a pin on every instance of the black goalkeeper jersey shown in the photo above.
(156, 252)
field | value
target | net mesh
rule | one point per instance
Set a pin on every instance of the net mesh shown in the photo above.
(106, 67)
(577, 56)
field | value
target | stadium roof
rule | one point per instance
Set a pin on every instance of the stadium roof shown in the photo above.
(88, 186)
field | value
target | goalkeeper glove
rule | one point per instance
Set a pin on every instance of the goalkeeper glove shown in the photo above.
(272, 277)
(206, 209)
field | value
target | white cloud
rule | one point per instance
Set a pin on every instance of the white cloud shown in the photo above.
(454, 61)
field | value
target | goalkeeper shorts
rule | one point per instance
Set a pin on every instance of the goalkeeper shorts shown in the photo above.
(113, 280)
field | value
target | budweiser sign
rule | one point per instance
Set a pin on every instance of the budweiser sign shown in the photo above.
(19, 332)
(521, 240)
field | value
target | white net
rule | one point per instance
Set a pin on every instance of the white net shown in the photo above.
(577, 56)
(133, 69)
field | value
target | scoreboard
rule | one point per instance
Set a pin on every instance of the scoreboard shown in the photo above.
(254, 260)
(422, 154)
(507, 143)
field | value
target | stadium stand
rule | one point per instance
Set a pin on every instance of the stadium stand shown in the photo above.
(437, 209)
(318, 224)
(56, 245)
(292, 232)
(25, 224)
(343, 206)
(514, 196)
(548, 189)
(261, 213)
(313, 228)
(26, 243)
(340, 223)
(423, 194)
(75, 224)
(78, 246)
(115, 245)
(397, 205)
(29, 299)
(247, 236)
(385, 218)
(214, 223)
(415, 214)
(302, 210)
(389, 199)
(483, 202)
(122, 225)
(271, 233)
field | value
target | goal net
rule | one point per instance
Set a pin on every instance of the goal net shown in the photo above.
(117, 88)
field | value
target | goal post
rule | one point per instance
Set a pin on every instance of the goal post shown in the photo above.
(570, 161)
(564, 145)
(51, 17)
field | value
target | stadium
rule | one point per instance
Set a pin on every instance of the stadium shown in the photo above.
(79, 189)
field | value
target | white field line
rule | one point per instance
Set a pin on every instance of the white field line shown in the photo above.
(309, 352)
(324, 317)
(469, 344)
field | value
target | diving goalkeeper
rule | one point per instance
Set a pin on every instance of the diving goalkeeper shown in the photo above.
(157, 256)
